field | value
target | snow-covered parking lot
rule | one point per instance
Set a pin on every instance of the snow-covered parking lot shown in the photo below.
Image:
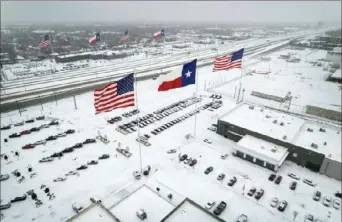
(112, 179)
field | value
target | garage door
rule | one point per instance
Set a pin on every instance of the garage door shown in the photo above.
(239, 154)
(269, 166)
(249, 158)
(259, 162)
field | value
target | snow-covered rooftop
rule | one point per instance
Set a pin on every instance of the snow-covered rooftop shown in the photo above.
(332, 137)
(188, 211)
(93, 213)
(264, 121)
(274, 92)
(144, 198)
(337, 74)
(262, 150)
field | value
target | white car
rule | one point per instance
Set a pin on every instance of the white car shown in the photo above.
(137, 175)
(40, 142)
(212, 129)
(77, 207)
(294, 176)
(242, 218)
(327, 201)
(171, 151)
(274, 202)
(223, 157)
(309, 218)
(337, 204)
(210, 205)
(207, 141)
(61, 134)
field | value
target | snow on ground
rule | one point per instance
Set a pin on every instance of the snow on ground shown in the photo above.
(96, 213)
(111, 178)
(305, 82)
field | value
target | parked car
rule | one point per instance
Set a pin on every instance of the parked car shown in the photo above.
(4, 177)
(77, 207)
(68, 150)
(309, 218)
(28, 146)
(221, 177)
(46, 159)
(141, 214)
(77, 145)
(207, 141)
(147, 170)
(13, 135)
(259, 194)
(25, 132)
(183, 157)
(232, 181)
(208, 170)
(6, 127)
(171, 151)
(44, 126)
(282, 205)
(317, 195)
(223, 157)
(61, 134)
(53, 122)
(271, 177)
(274, 202)
(309, 182)
(51, 138)
(5, 206)
(59, 154)
(89, 141)
(59, 179)
(294, 176)
(220, 208)
(193, 162)
(210, 205)
(40, 118)
(242, 218)
(137, 175)
(293, 185)
(337, 204)
(251, 191)
(327, 201)
(278, 179)
(70, 131)
(40, 142)
(29, 121)
(92, 162)
(104, 156)
(19, 124)
(34, 129)
(82, 167)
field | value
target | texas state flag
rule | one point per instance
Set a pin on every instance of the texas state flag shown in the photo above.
(180, 77)
(159, 34)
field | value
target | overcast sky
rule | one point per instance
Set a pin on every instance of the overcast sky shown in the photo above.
(181, 11)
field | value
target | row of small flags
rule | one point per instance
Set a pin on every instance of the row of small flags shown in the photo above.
(120, 94)
(45, 42)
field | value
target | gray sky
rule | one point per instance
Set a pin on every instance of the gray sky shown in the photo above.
(181, 11)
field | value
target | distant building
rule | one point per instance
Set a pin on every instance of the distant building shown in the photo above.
(334, 55)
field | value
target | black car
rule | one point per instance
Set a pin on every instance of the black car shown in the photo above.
(89, 141)
(282, 205)
(59, 154)
(220, 208)
(82, 167)
(51, 138)
(232, 182)
(92, 162)
(293, 185)
(29, 121)
(4, 177)
(13, 135)
(68, 150)
(278, 179)
(34, 129)
(77, 145)
(5, 206)
(40, 118)
(17, 199)
(208, 170)
(6, 127)
(251, 191)
(154, 132)
(104, 156)
(271, 177)
(259, 194)
(53, 122)
(70, 131)
(193, 162)
(183, 157)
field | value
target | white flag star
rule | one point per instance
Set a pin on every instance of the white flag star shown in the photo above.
(188, 74)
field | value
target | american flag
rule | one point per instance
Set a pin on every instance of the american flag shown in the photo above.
(118, 94)
(124, 37)
(45, 42)
(228, 62)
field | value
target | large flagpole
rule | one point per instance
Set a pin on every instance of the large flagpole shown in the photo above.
(242, 63)
(137, 107)
(196, 79)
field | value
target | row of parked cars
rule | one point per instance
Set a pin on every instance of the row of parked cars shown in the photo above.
(130, 127)
(327, 201)
(114, 120)
(33, 129)
(130, 113)
(43, 142)
(82, 167)
(66, 150)
(22, 122)
(187, 160)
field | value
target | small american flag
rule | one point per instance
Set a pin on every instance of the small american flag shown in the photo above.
(45, 42)
(228, 62)
(118, 94)
(124, 37)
